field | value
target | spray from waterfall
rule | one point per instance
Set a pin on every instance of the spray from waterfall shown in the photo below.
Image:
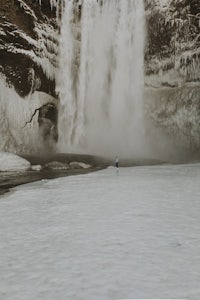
(101, 77)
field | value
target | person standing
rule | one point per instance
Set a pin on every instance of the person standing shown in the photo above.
(117, 162)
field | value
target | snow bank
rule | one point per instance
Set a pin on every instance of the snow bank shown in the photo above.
(12, 162)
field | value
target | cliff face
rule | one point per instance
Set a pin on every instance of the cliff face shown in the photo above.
(173, 40)
(28, 59)
(29, 43)
(172, 68)
(29, 47)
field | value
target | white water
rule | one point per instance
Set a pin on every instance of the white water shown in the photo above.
(103, 236)
(101, 80)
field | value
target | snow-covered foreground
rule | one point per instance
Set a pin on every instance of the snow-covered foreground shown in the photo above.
(135, 234)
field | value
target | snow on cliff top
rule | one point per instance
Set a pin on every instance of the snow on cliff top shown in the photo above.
(13, 162)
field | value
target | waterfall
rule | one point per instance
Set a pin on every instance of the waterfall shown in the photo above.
(101, 80)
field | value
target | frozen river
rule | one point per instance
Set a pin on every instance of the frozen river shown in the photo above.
(135, 234)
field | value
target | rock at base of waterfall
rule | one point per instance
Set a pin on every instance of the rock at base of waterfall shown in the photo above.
(56, 165)
(36, 168)
(13, 162)
(78, 165)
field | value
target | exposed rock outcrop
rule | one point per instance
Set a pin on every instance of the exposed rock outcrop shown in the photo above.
(56, 165)
(28, 45)
(79, 165)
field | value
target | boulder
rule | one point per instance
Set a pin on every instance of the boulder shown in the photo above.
(36, 168)
(56, 165)
(78, 165)
(13, 162)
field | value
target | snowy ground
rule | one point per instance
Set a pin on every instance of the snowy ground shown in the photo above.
(135, 234)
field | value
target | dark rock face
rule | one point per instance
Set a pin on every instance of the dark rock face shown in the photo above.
(173, 37)
(47, 119)
(29, 30)
(28, 41)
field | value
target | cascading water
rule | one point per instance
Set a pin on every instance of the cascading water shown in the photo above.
(101, 78)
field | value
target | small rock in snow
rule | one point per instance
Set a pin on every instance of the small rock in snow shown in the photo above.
(78, 165)
(56, 165)
(36, 168)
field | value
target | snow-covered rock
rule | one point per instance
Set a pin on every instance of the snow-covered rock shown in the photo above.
(13, 162)
(36, 168)
(172, 70)
(78, 165)
(173, 38)
(56, 165)
(29, 42)
(28, 64)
